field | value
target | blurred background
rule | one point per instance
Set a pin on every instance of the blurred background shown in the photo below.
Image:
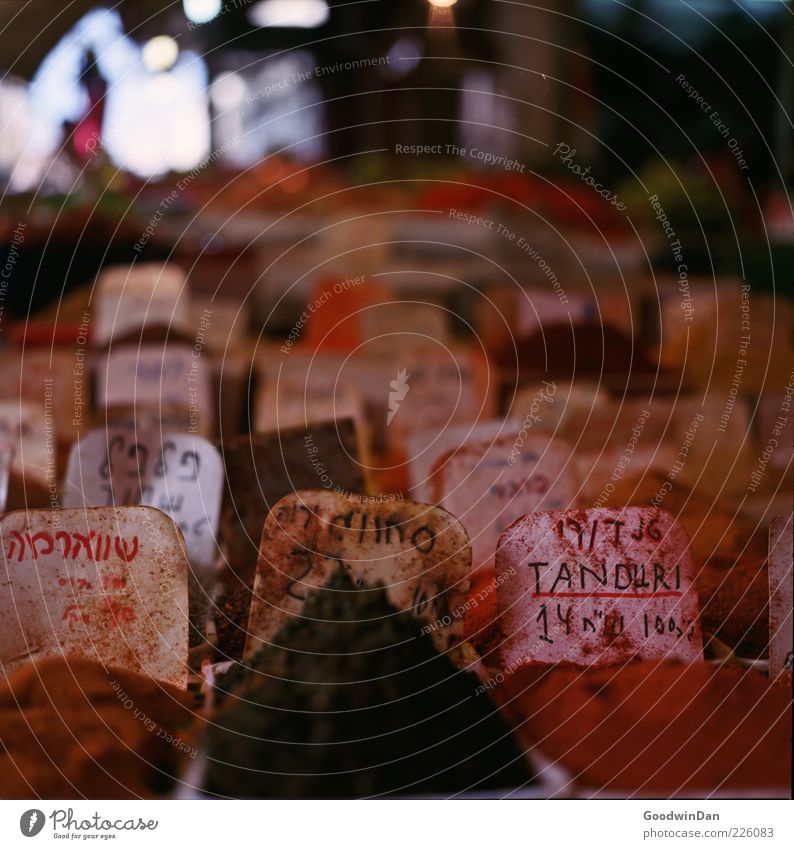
(579, 190)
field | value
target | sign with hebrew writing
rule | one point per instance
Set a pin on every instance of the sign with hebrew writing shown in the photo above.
(178, 473)
(424, 447)
(108, 584)
(596, 587)
(421, 554)
(490, 484)
(781, 590)
(285, 401)
(157, 376)
(131, 297)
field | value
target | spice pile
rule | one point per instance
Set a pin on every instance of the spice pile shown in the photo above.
(352, 700)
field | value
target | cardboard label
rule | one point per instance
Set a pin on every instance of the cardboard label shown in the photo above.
(287, 401)
(24, 429)
(434, 387)
(426, 446)
(106, 584)
(420, 553)
(537, 308)
(54, 378)
(131, 297)
(562, 407)
(596, 587)
(178, 473)
(774, 423)
(781, 589)
(263, 468)
(488, 485)
(155, 376)
(389, 327)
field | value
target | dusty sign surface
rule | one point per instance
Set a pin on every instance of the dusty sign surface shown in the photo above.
(263, 468)
(595, 587)
(288, 401)
(420, 553)
(781, 588)
(156, 376)
(431, 387)
(130, 297)
(178, 473)
(490, 484)
(107, 584)
(424, 447)
(24, 429)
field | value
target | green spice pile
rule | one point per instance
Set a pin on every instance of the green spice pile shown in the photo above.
(352, 700)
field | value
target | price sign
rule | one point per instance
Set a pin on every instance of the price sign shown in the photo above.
(595, 587)
(109, 584)
(131, 297)
(23, 427)
(427, 445)
(488, 485)
(178, 473)
(155, 375)
(288, 401)
(421, 554)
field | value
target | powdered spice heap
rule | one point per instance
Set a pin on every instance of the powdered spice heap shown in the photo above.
(70, 728)
(656, 728)
(352, 701)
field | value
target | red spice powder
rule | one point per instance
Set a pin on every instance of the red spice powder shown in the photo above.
(72, 729)
(656, 728)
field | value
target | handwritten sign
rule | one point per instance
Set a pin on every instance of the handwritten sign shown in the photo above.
(781, 589)
(420, 553)
(263, 468)
(595, 587)
(776, 429)
(23, 427)
(284, 402)
(433, 387)
(566, 409)
(178, 473)
(131, 297)
(537, 308)
(488, 485)
(6, 459)
(153, 374)
(425, 446)
(107, 584)
(53, 378)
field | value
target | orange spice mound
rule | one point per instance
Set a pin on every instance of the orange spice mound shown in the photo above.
(72, 729)
(656, 729)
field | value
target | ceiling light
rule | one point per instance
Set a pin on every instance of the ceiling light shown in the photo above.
(159, 53)
(289, 13)
(201, 11)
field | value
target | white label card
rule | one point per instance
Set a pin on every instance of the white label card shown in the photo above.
(106, 584)
(597, 587)
(178, 473)
(488, 485)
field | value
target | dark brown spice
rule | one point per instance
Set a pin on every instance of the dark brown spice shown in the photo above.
(352, 700)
